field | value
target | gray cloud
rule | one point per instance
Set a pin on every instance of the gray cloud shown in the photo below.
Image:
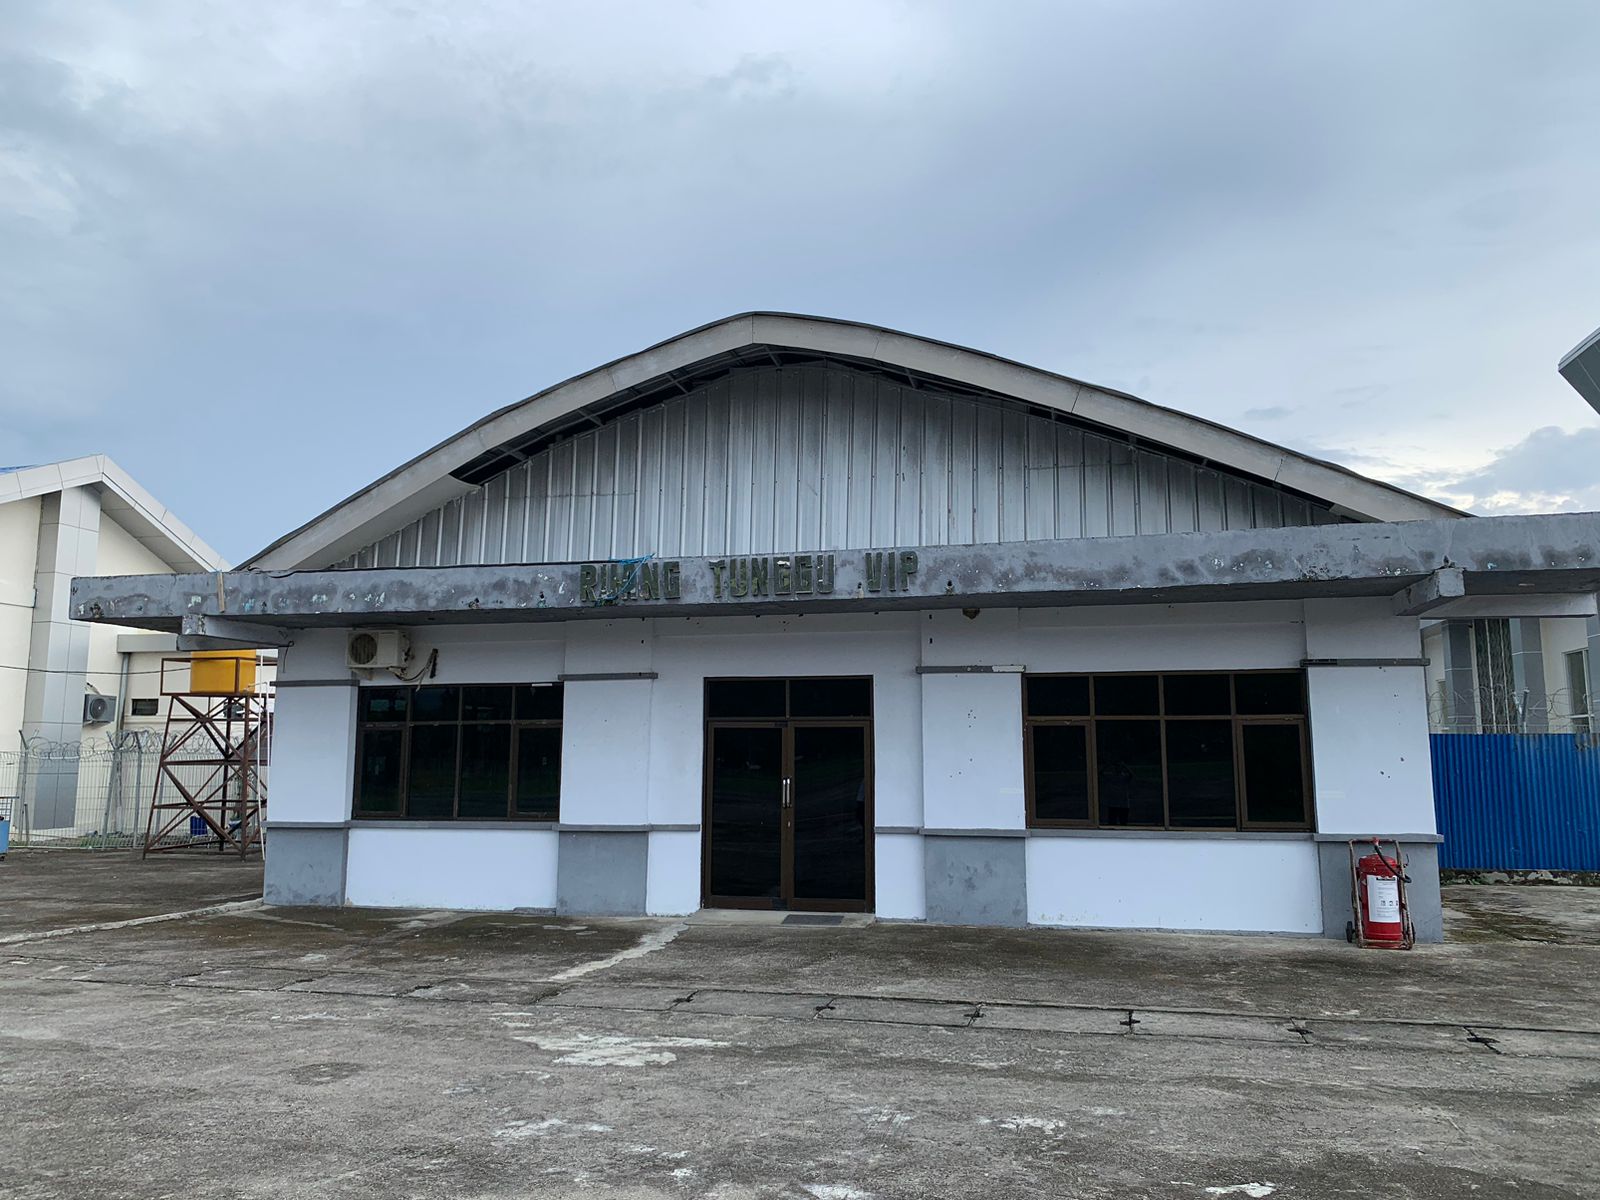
(1551, 468)
(336, 234)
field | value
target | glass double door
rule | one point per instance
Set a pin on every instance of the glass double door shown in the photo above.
(788, 814)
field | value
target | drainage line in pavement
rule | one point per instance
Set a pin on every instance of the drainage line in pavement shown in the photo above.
(210, 910)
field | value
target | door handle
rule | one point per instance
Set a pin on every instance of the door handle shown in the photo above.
(788, 796)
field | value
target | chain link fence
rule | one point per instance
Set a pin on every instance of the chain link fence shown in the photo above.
(93, 795)
(1561, 711)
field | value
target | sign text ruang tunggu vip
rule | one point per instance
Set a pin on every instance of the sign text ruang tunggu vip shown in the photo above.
(743, 577)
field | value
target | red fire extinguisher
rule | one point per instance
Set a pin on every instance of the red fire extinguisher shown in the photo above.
(1380, 900)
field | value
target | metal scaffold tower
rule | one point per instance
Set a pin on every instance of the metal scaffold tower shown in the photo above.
(211, 790)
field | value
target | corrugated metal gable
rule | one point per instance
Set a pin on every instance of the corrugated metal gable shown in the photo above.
(771, 459)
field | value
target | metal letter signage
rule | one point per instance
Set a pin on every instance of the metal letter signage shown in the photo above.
(753, 576)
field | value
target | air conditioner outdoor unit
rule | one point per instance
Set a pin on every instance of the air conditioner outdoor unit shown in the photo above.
(98, 709)
(377, 649)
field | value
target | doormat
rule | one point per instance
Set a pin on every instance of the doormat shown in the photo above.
(813, 919)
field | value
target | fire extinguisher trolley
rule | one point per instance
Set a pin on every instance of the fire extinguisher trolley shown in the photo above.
(1382, 917)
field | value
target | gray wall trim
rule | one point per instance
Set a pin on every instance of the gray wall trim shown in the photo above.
(976, 880)
(293, 683)
(307, 866)
(1422, 889)
(1430, 839)
(597, 676)
(1187, 835)
(602, 874)
(501, 826)
(975, 669)
(464, 826)
(1363, 662)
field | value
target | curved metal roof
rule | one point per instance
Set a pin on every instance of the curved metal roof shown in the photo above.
(456, 465)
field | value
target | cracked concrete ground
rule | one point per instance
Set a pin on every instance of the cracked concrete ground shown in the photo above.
(380, 1054)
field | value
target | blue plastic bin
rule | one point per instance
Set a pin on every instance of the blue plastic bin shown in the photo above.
(5, 836)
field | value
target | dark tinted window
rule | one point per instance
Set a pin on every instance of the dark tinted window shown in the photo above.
(431, 778)
(1200, 784)
(1060, 772)
(1057, 695)
(539, 702)
(538, 771)
(436, 704)
(485, 772)
(447, 752)
(1128, 762)
(486, 704)
(830, 697)
(378, 788)
(384, 703)
(1198, 695)
(1270, 695)
(1126, 695)
(1274, 774)
(1191, 750)
(752, 698)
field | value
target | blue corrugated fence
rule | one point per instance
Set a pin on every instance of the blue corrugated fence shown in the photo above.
(1517, 801)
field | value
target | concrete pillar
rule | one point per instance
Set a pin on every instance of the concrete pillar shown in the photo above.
(1527, 674)
(313, 772)
(1384, 788)
(973, 807)
(58, 650)
(1460, 678)
(603, 863)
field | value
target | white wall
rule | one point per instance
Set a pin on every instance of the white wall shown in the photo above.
(948, 749)
(117, 552)
(901, 882)
(672, 886)
(1369, 725)
(1160, 883)
(471, 868)
(1560, 636)
(19, 548)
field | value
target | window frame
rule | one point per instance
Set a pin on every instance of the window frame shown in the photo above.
(1091, 721)
(460, 724)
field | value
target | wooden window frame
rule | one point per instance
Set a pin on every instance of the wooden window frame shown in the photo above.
(1092, 720)
(459, 724)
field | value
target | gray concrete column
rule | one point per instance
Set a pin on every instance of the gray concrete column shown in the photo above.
(1527, 674)
(58, 650)
(1460, 678)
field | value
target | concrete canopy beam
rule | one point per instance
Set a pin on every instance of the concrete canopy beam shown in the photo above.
(201, 631)
(1441, 587)
(1499, 555)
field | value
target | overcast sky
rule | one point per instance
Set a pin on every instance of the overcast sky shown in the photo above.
(262, 253)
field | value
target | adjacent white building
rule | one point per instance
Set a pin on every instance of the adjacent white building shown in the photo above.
(60, 681)
(788, 612)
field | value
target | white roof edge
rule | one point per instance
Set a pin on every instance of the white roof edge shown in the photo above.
(148, 520)
(1580, 367)
(388, 503)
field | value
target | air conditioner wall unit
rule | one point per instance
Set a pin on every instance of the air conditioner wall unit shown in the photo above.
(377, 649)
(98, 709)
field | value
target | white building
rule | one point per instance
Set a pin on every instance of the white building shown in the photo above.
(791, 612)
(62, 682)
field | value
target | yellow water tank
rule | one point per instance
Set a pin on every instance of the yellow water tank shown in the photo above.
(222, 672)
